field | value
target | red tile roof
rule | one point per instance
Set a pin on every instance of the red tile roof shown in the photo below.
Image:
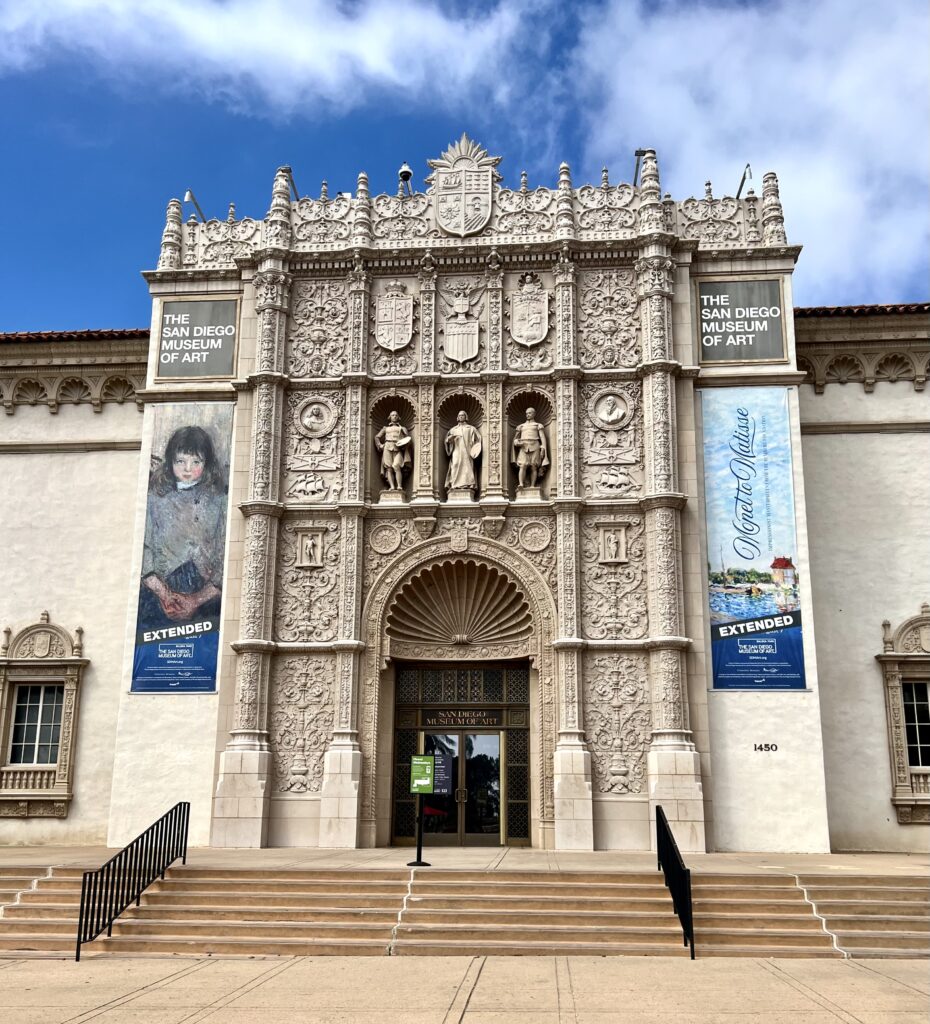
(105, 334)
(891, 309)
(782, 563)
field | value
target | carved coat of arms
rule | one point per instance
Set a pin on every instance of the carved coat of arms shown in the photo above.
(461, 305)
(529, 312)
(394, 318)
(463, 187)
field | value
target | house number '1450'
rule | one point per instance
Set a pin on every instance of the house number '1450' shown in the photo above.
(765, 746)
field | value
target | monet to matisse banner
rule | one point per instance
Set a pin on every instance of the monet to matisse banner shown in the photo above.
(181, 587)
(755, 612)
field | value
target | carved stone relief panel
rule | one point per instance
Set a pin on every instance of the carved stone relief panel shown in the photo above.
(402, 218)
(527, 214)
(534, 536)
(609, 334)
(301, 723)
(393, 326)
(607, 211)
(612, 440)
(462, 323)
(318, 221)
(313, 445)
(307, 581)
(385, 539)
(318, 334)
(529, 316)
(618, 720)
(613, 586)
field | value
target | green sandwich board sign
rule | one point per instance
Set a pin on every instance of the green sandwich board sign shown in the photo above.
(421, 773)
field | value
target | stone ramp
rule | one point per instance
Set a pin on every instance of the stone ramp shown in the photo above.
(435, 912)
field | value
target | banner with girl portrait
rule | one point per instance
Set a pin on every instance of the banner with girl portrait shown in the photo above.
(181, 585)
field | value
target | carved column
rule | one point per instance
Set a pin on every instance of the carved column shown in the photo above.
(574, 813)
(425, 492)
(241, 807)
(342, 764)
(170, 256)
(673, 762)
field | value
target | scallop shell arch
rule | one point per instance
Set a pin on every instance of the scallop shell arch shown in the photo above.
(460, 602)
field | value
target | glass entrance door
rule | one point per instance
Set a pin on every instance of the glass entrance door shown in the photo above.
(471, 814)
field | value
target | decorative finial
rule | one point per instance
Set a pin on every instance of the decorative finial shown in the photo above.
(773, 218)
(361, 225)
(44, 617)
(231, 215)
(170, 256)
(708, 190)
(5, 646)
(79, 642)
(523, 181)
(605, 179)
(324, 189)
(362, 187)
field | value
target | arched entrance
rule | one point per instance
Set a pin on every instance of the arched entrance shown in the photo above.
(451, 636)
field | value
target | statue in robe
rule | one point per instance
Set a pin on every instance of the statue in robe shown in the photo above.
(463, 446)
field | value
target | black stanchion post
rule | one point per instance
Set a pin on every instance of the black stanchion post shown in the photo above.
(419, 862)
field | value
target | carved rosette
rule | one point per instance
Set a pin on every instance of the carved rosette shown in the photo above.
(613, 593)
(618, 720)
(301, 721)
(318, 340)
(307, 597)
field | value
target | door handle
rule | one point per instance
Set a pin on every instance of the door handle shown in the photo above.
(461, 796)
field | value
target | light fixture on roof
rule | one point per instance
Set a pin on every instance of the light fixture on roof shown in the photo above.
(290, 178)
(189, 197)
(639, 154)
(405, 174)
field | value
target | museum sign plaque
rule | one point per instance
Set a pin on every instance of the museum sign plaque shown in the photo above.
(741, 321)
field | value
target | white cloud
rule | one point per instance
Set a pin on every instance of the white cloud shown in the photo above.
(831, 94)
(268, 55)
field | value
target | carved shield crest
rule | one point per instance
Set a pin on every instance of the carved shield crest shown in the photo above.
(43, 644)
(394, 318)
(463, 186)
(529, 312)
(923, 638)
(463, 200)
(458, 538)
(461, 342)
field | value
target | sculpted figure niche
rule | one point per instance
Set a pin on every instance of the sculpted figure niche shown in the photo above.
(530, 454)
(393, 442)
(463, 446)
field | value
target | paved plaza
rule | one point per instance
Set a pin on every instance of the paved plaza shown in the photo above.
(462, 990)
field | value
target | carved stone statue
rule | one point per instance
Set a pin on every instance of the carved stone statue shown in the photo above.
(393, 442)
(463, 446)
(529, 451)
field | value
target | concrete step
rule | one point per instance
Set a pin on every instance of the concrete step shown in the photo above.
(705, 949)
(884, 940)
(206, 946)
(50, 896)
(285, 930)
(44, 926)
(873, 908)
(759, 938)
(887, 893)
(669, 934)
(575, 904)
(544, 877)
(280, 887)
(747, 892)
(738, 881)
(897, 881)
(60, 911)
(775, 922)
(284, 915)
(271, 900)
(565, 889)
(744, 906)
(14, 941)
(889, 923)
(286, 875)
(480, 915)
(544, 947)
(877, 953)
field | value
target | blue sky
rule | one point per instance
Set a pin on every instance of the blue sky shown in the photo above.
(108, 108)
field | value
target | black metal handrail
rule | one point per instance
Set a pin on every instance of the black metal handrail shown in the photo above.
(107, 891)
(677, 876)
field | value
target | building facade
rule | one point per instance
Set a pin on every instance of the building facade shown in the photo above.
(549, 482)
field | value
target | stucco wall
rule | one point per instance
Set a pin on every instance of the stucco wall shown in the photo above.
(867, 501)
(66, 522)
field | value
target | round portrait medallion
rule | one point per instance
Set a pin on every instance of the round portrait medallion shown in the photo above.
(316, 417)
(610, 410)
